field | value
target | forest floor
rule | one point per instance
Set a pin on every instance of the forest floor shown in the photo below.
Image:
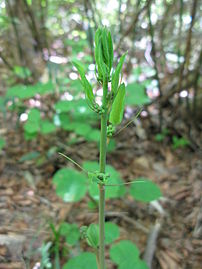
(28, 202)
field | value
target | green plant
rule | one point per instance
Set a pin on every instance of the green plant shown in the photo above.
(2, 143)
(45, 262)
(180, 142)
(102, 181)
(161, 136)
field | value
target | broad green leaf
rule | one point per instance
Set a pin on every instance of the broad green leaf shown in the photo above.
(124, 251)
(126, 255)
(136, 95)
(116, 114)
(111, 232)
(85, 83)
(32, 125)
(2, 143)
(116, 74)
(25, 92)
(85, 260)
(131, 263)
(71, 232)
(34, 115)
(22, 72)
(144, 190)
(70, 185)
(93, 235)
(63, 106)
(21, 91)
(47, 127)
(64, 121)
(111, 192)
(82, 129)
(93, 135)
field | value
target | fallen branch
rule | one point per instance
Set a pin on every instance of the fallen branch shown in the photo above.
(151, 244)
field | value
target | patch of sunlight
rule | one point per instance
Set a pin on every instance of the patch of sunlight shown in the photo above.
(23, 117)
(73, 76)
(183, 94)
(58, 60)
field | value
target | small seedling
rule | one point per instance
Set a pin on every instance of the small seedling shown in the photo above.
(103, 181)
(180, 142)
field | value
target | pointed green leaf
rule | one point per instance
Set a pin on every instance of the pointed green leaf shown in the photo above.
(105, 48)
(145, 190)
(115, 76)
(117, 110)
(111, 51)
(101, 64)
(85, 83)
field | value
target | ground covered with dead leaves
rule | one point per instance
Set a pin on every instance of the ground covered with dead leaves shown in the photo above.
(28, 202)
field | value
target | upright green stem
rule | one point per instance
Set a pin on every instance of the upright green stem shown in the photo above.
(103, 147)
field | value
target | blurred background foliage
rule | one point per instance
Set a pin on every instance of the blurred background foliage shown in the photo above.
(40, 38)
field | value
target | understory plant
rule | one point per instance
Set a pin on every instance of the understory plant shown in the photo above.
(103, 181)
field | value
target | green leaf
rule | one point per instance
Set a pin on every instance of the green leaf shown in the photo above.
(63, 106)
(126, 255)
(93, 235)
(115, 76)
(32, 125)
(105, 48)
(111, 51)
(145, 190)
(70, 184)
(131, 263)
(111, 232)
(71, 232)
(85, 260)
(98, 34)
(93, 135)
(47, 127)
(85, 83)
(2, 143)
(123, 251)
(34, 115)
(136, 95)
(100, 63)
(22, 72)
(111, 192)
(116, 114)
(26, 92)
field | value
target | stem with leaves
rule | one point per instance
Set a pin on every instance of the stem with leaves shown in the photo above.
(112, 108)
(103, 147)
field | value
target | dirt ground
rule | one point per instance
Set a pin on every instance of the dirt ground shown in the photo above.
(28, 202)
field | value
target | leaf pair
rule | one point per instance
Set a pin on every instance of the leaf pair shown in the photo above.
(85, 83)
